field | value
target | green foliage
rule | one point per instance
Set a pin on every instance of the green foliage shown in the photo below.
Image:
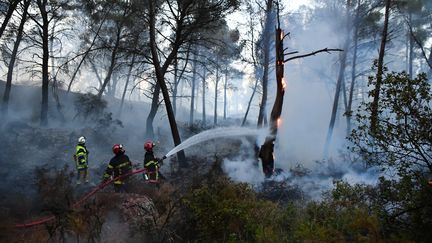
(339, 218)
(226, 212)
(403, 140)
(400, 146)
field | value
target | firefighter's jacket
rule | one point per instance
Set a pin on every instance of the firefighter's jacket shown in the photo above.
(118, 165)
(81, 157)
(151, 163)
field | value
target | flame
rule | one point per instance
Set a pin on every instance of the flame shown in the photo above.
(284, 84)
(281, 34)
(278, 122)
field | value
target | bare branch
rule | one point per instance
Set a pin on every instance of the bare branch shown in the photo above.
(312, 54)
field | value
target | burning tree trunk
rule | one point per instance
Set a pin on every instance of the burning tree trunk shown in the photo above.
(266, 150)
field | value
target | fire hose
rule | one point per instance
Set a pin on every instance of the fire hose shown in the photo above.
(83, 198)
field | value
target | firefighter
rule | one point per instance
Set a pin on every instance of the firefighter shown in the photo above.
(119, 165)
(151, 163)
(81, 160)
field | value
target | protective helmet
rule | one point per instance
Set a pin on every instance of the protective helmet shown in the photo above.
(81, 140)
(149, 146)
(118, 148)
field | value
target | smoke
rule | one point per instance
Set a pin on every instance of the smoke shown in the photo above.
(244, 171)
(244, 167)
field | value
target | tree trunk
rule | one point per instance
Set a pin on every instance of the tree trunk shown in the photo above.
(267, 149)
(192, 105)
(430, 61)
(341, 78)
(93, 65)
(55, 87)
(113, 62)
(113, 87)
(353, 71)
(11, 65)
(178, 78)
(204, 96)
(45, 59)
(127, 82)
(225, 93)
(266, 62)
(249, 103)
(380, 67)
(216, 93)
(340, 83)
(153, 111)
(175, 88)
(411, 51)
(11, 9)
(160, 72)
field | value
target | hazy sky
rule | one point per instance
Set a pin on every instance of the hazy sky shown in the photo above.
(294, 4)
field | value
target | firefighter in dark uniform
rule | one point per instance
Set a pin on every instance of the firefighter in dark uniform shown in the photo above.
(151, 164)
(119, 165)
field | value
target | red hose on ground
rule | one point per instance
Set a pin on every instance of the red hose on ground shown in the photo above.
(84, 198)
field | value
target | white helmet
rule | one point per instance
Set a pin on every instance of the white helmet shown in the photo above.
(81, 140)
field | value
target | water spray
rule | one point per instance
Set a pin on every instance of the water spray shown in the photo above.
(212, 134)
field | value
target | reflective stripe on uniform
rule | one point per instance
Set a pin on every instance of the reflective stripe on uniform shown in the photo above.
(124, 164)
(150, 163)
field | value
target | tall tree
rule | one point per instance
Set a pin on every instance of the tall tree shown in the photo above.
(44, 29)
(187, 18)
(13, 57)
(265, 56)
(341, 77)
(380, 68)
(192, 98)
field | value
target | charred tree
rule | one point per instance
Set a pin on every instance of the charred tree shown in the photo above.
(267, 149)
